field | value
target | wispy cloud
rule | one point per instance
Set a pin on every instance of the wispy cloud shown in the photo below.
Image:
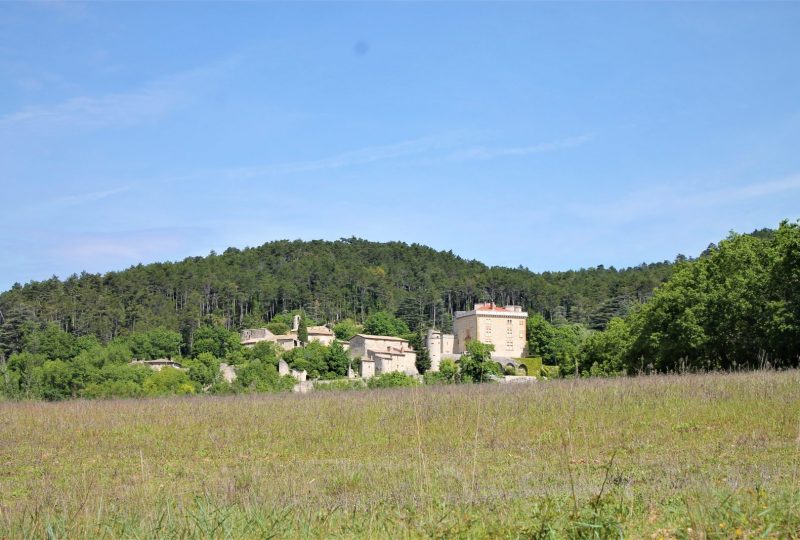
(443, 147)
(65, 201)
(668, 200)
(119, 248)
(82, 198)
(751, 191)
(147, 103)
(363, 156)
(481, 152)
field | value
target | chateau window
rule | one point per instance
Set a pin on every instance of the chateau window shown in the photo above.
(509, 345)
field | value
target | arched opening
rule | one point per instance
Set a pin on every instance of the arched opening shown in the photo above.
(522, 369)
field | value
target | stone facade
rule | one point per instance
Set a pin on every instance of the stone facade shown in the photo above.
(502, 326)
(440, 346)
(287, 342)
(383, 354)
(251, 336)
(228, 372)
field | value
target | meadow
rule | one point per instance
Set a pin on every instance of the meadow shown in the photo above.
(680, 456)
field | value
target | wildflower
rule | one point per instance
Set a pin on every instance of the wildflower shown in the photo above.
(722, 525)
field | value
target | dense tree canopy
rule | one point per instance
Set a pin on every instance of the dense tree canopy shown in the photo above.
(326, 281)
(735, 307)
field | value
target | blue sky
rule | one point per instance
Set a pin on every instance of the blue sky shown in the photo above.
(552, 136)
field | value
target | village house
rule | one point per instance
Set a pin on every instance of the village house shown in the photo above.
(383, 354)
(251, 336)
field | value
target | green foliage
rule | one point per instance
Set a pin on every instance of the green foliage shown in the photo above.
(349, 278)
(266, 351)
(169, 381)
(260, 376)
(203, 370)
(278, 328)
(341, 384)
(448, 370)
(391, 380)
(540, 334)
(113, 389)
(417, 342)
(605, 352)
(337, 359)
(215, 340)
(556, 345)
(24, 367)
(55, 344)
(155, 344)
(17, 321)
(302, 331)
(313, 358)
(551, 372)
(318, 360)
(476, 364)
(532, 366)
(346, 329)
(434, 377)
(734, 308)
(382, 323)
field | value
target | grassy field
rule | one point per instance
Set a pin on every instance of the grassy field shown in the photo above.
(694, 456)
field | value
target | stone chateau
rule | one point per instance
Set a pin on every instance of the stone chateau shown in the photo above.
(501, 326)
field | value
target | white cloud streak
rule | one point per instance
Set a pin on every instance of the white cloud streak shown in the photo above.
(363, 156)
(414, 147)
(667, 200)
(490, 153)
(82, 198)
(147, 103)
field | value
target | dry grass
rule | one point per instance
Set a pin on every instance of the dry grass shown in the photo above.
(700, 456)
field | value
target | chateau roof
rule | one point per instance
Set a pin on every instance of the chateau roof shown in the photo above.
(491, 307)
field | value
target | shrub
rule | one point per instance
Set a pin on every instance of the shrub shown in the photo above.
(393, 379)
(435, 377)
(169, 381)
(278, 328)
(341, 384)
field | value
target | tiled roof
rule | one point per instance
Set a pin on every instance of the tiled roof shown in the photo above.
(491, 307)
(320, 330)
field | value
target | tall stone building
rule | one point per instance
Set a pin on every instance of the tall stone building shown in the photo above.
(501, 326)
(440, 346)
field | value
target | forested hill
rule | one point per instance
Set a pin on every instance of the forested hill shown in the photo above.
(329, 280)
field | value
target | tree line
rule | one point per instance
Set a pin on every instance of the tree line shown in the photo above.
(737, 306)
(329, 281)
